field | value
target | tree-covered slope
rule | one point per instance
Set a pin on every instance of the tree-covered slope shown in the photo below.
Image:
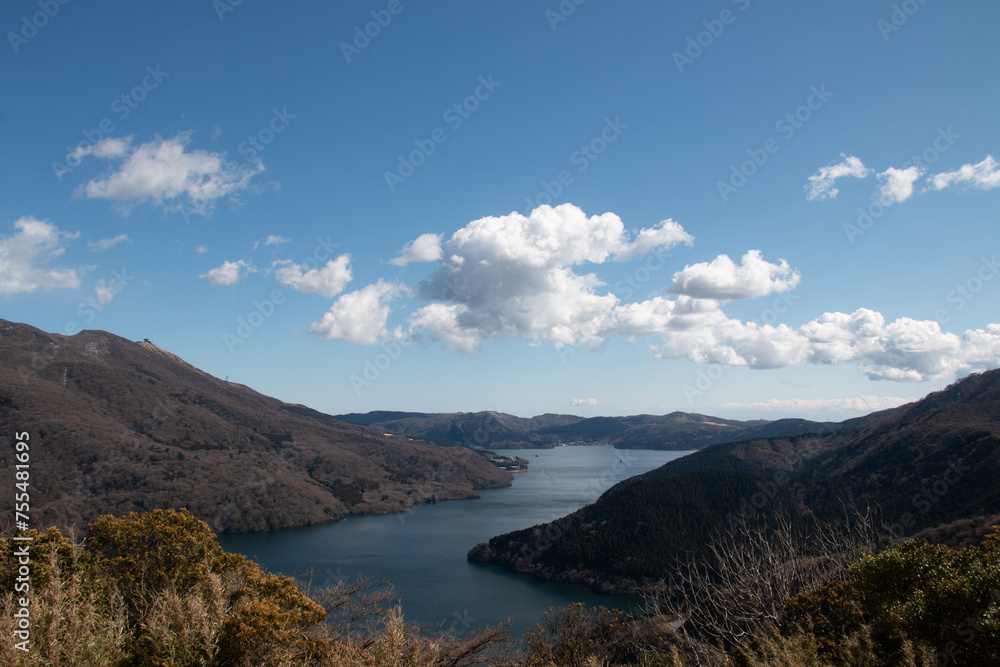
(674, 431)
(931, 462)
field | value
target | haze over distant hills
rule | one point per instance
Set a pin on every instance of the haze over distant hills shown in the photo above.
(932, 465)
(117, 426)
(677, 430)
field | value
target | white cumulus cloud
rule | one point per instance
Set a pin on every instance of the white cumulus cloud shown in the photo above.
(722, 279)
(715, 338)
(229, 273)
(531, 278)
(441, 320)
(360, 317)
(424, 248)
(666, 234)
(24, 257)
(981, 348)
(905, 350)
(902, 350)
(515, 276)
(822, 184)
(165, 172)
(327, 281)
(590, 402)
(897, 184)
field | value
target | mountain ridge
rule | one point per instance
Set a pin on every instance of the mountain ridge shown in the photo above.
(924, 466)
(120, 426)
(673, 431)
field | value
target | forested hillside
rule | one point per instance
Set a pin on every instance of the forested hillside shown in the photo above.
(932, 462)
(674, 431)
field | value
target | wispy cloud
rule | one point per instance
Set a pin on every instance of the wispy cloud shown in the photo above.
(104, 244)
(857, 404)
(900, 184)
(272, 239)
(822, 184)
(104, 292)
(984, 175)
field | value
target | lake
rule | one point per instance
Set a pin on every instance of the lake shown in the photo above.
(424, 550)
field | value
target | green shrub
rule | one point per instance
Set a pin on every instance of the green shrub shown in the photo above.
(916, 597)
(46, 552)
(154, 550)
(156, 589)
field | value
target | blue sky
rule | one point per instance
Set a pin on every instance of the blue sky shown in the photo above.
(741, 208)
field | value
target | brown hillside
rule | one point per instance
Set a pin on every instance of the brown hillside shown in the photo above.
(117, 426)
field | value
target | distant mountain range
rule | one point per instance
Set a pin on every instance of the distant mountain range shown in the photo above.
(675, 431)
(117, 426)
(932, 466)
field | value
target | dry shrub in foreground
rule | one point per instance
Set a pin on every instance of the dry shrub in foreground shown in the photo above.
(156, 590)
(73, 622)
(752, 569)
(914, 604)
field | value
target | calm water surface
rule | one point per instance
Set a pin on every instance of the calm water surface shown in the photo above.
(424, 550)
